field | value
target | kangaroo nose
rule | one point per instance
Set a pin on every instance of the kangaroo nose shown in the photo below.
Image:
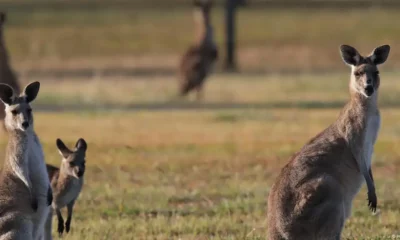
(25, 125)
(80, 173)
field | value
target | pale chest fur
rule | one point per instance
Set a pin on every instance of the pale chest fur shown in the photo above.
(68, 193)
(37, 169)
(40, 184)
(371, 134)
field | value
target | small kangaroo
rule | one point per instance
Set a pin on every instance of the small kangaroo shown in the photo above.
(6, 73)
(25, 195)
(198, 61)
(312, 197)
(66, 182)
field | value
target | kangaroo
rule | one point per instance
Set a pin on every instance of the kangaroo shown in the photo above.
(6, 73)
(25, 195)
(312, 196)
(66, 182)
(198, 61)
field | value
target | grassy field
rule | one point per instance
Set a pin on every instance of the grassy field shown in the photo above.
(190, 174)
(268, 39)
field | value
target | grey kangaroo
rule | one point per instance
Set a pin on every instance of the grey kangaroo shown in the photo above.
(198, 61)
(25, 192)
(312, 196)
(66, 182)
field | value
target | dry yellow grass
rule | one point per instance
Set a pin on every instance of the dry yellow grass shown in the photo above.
(268, 39)
(190, 174)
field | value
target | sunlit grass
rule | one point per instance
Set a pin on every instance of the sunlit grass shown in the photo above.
(189, 174)
(269, 39)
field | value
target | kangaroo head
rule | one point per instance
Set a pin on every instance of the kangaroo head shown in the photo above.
(364, 70)
(3, 18)
(17, 108)
(206, 5)
(73, 161)
(203, 13)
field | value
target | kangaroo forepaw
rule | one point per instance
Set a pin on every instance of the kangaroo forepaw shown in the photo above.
(49, 196)
(372, 201)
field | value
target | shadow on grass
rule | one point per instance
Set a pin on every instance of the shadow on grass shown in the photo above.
(201, 106)
(188, 106)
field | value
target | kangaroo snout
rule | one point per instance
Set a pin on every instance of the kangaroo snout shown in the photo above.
(25, 125)
(369, 90)
(80, 173)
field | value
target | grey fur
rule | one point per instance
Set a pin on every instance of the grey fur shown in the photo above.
(312, 196)
(66, 182)
(198, 61)
(24, 192)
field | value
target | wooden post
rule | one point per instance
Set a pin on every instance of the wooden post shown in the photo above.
(230, 25)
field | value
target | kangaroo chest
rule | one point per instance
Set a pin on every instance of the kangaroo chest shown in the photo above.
(371, 134)
(69, 193)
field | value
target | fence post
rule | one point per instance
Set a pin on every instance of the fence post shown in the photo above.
(230, 25)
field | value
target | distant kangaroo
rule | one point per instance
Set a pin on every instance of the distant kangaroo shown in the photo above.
(198, 61)
(312, 197)
(67, 182)
(25, 193)
(6, 73)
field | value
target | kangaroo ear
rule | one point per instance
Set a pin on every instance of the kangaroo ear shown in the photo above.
(6, 93)
(350, 55)
(31, 91)
(203, 3)
(380, 54)
(62, 149)
(81, 144)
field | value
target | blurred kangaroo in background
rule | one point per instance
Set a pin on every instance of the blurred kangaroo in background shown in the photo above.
(312, 197)
(25, 193)
(6, 73)
(198, 61)
(66, 182)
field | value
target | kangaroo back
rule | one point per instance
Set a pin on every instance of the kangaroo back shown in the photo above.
(313, 194)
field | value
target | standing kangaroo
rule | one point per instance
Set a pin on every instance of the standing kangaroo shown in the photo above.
(197, 63)
(312, 197)
(66, 182)
(25, 193)
(6, 73)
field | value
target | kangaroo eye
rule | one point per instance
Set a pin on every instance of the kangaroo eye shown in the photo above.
(377, 73)
(14, 112)
(71, 164)
(358, 74)
(29, 110)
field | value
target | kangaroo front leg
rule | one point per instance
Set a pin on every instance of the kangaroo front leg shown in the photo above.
(362, 154)
(70, 207)
(49, 196)
(60, 222)
(372, 199)
(370, 173)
